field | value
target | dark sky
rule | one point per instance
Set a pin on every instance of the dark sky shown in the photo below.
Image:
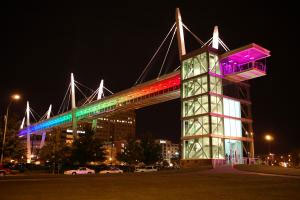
(43, 43)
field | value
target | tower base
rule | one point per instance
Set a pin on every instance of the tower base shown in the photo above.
(195, 163)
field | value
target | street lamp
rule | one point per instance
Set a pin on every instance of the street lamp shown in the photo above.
(14, 97)
(269, 138)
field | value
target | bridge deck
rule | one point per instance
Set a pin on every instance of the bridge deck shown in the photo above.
(159, 90)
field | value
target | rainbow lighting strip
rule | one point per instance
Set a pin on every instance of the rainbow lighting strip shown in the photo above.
(107, 104)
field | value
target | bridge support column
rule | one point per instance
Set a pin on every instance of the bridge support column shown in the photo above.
(99, 96)
(94, 125)
(74, 120)
(28, 142)
(74, 124)
(44, 133)
(43, 140)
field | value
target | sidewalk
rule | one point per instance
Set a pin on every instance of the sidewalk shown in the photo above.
(229, 169)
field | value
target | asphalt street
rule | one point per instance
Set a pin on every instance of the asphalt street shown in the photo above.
(177, 184)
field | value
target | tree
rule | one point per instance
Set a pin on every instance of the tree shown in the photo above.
(14, 148)
(296, 157)
(151, 150)
(133, 153)
(145, 150)
(55, 152)
(87, 148)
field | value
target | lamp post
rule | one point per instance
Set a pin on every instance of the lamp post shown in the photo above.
(14, 97)
(269, 138)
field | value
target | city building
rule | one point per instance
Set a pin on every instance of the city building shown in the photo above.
(120, 126)
(169, 149)
(112, 150)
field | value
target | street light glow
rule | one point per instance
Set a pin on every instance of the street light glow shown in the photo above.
(16, 97)
(269, 138)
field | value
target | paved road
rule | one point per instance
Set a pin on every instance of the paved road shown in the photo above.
(175, 185)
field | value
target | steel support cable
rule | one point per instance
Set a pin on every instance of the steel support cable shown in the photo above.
(223, 45)
(85, 86)
(64, 98)
(108, 90)
(167, 52)
(81, 91)
(93, 95)
(90, 98)
(207, 42)
(193, 34)
(177, 68)
(67, 103)
(32, 114)
(155, 54)
(220, 42)
(33, 111)
(43, 117)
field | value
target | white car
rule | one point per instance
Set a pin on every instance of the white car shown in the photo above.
(111, 171)
(80, 170)
(146, 169)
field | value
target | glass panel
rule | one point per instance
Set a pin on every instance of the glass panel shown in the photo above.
(216, 85)
(198, 126)
(217, 125)
(214, 64)
(195, 106)
(218, 148)
(216, 104)
(233, 151)
(195, 87)
(194, 66)
(196, 148)
(232, 108)
(232, 127)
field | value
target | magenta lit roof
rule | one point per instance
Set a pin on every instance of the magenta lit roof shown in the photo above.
(245, 54)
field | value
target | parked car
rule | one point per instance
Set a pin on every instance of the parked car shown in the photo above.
(126, 168)
(4, 170)
(146, 169)
(112, 170)
(80, 170)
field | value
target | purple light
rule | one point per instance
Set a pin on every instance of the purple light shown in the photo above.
(244, 54)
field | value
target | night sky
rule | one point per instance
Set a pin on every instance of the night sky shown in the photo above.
(43, 43)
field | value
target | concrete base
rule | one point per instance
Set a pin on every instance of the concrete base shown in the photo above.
(194, 163)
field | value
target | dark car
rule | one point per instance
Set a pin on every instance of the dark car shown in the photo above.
(126, 168)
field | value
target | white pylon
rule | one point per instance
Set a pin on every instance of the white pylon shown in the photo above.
(28, 144)
(49, 111)
(100, 91)
(100, 95)
(180, 35)
(73, 91)
(74, 121)
(27, 114)
(215, 41)
(44, 133)
(22, 124)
